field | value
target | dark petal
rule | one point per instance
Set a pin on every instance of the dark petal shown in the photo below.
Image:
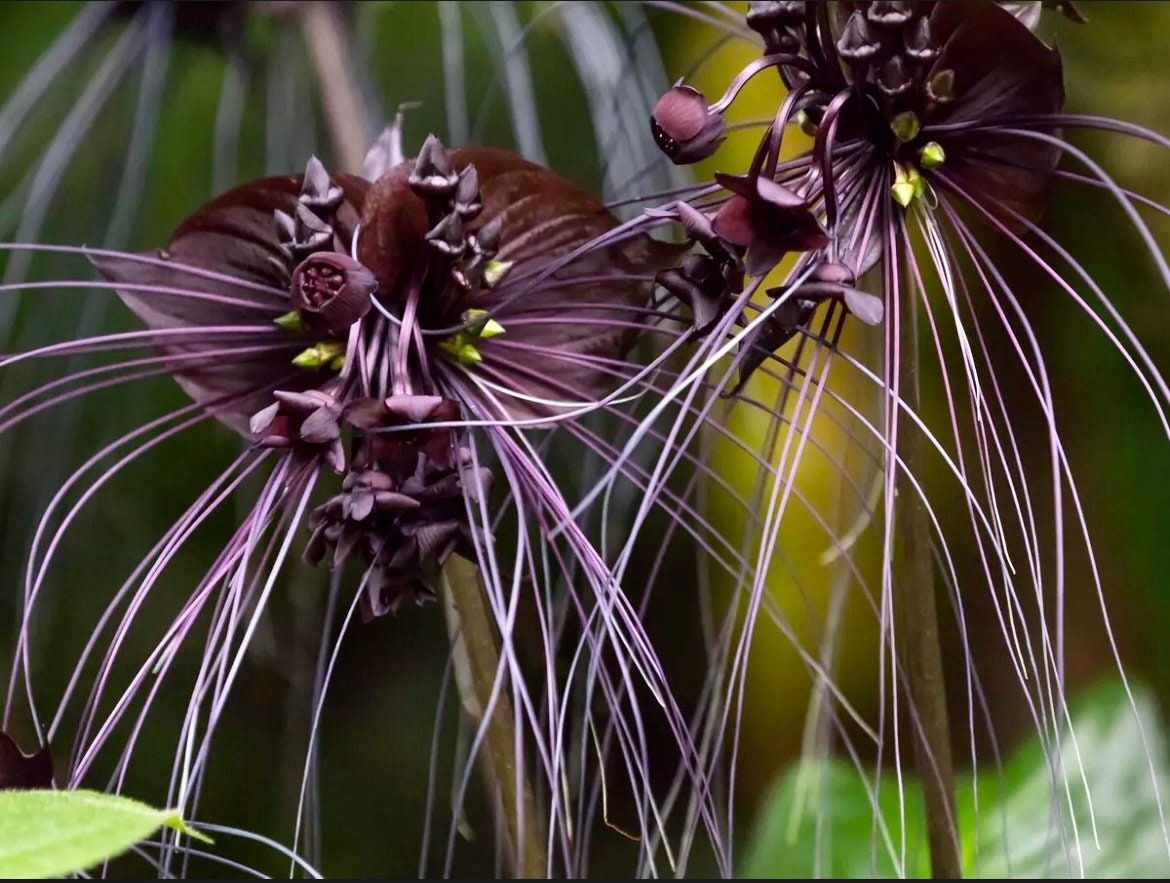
(700, 284)
(377, 481)
(1001, 69)
(741, 185)
(543, 219)
(262, 419)
(446, 488)
(302, 403)
(23, 771)
(415, 408)
(320, 427)
(866, 307)
(1027, 11)
(366, 413)
(850, 247)
(806, 234)
(889, 13)
(695, 223)
(435, 541)
(763, 257)
(360, 505)
(703, 145)
(335, 456)
(733, 222)
(393, 502)
(777, 194)
(237, 235)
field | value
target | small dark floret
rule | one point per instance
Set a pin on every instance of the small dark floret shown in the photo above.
(331, 291)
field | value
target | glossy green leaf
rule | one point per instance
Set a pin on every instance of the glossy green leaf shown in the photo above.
(1036, 818)
(53, 833)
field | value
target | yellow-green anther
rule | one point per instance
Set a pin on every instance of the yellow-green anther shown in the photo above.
(290, 321)
(932, 156)
(309, 359)
(806, 124)
(491, 328)
(494, 272)
(908, 185)
(903, 193)
(316, 357)
(905, 126)
(459, 348)
(480, 324)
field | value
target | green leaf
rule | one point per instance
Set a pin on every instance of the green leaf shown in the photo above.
(53, 833)
(818, 819)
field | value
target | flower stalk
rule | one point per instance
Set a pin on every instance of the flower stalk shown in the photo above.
(919, 644)
(475, 643)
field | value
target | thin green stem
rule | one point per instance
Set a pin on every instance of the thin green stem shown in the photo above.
(477, 661)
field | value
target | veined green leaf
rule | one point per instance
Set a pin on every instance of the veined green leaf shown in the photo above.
(1036, 818)
(53, 833)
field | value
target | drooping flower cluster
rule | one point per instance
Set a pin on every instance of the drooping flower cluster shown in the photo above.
(405, 332)
(395, 337)
(933, 125)
(898, 96)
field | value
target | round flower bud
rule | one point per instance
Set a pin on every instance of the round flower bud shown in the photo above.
(683, 127)
(331, 291)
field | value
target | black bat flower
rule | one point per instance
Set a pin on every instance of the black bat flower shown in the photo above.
(406, 333)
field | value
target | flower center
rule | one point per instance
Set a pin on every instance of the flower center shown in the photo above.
(320, 283)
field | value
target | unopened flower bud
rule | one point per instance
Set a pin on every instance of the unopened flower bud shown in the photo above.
(856, 44)
(893, 79)
(889, 13)
(920, 44)
(432, 176)
(683, 126)
(447, 236)
(467, 199)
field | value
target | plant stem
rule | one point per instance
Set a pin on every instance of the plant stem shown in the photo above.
(339, 93)
(921, 650)
(473, 634)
